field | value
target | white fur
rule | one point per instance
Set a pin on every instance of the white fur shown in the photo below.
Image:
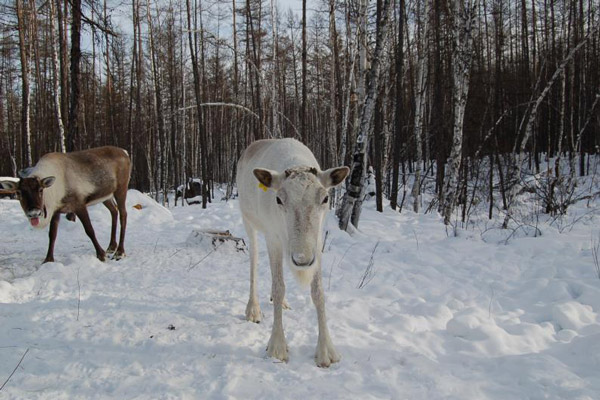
(66, 176)
(52, 194)
(293, 228)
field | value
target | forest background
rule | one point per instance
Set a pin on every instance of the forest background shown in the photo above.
(426, 92)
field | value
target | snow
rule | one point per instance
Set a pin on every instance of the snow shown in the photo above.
(477, 315)
(9, 178)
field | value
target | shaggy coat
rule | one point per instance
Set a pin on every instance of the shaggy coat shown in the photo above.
(69, 183)
(284, 195)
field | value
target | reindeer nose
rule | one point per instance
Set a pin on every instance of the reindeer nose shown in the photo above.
(302, 259)
(35, 213)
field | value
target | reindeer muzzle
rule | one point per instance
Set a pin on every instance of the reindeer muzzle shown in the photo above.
(303, 259)
(34, 216)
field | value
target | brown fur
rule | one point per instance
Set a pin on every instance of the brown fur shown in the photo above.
(97, 174)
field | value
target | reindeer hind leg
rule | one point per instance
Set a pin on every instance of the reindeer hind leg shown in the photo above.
(110, 204)
(82, 214)
(120, 198)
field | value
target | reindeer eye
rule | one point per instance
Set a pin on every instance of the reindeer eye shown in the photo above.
(325, 200)
(279, 201)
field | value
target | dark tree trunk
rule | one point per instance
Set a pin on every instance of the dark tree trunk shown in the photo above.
(25, 93)
(73, 136)
(399, 116)
(198, 95)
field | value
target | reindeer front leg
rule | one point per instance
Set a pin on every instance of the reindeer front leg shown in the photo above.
(326, 353)
(277, 346)
(253, 307)
(84, 217)
(52, 236)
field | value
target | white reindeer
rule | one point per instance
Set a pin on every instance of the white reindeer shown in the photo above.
(69, 183)
(284, 194)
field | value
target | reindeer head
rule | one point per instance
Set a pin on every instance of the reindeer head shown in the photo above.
(30, 192)
(301, 197)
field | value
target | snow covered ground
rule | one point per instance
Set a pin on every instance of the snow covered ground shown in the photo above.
(438, 316)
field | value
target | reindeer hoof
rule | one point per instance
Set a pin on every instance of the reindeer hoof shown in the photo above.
(277, 348)
(326, 355)
(48, 259)
(101, 256)
(111, 249)
(253, 313)
(118, 255)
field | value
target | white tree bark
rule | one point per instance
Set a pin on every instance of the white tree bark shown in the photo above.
(55, 80)
(154, 186)
(352, 202)
(184, 114)
(463, 21)
(420, 104)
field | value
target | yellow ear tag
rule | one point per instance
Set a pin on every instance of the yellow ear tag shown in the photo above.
(263, 187)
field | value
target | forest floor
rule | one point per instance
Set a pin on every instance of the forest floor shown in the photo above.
(417, 311)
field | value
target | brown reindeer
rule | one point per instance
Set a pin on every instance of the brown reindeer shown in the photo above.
(67, 184)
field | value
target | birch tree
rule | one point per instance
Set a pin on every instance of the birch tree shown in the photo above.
(420, 101)
(352, 202)
(157, 108)
(518, 109)
(462, 55)
(56, 78)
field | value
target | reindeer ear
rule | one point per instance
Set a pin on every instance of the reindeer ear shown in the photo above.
(333, 176)
(8, 187)
(269, 178)
(47, 182)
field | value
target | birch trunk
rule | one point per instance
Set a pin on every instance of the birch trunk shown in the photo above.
(157, 107)
(183, 170)
(56, 79)
(62, 51)
(398, 118)
(464, 18)
(420, 104)
(352, 203)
